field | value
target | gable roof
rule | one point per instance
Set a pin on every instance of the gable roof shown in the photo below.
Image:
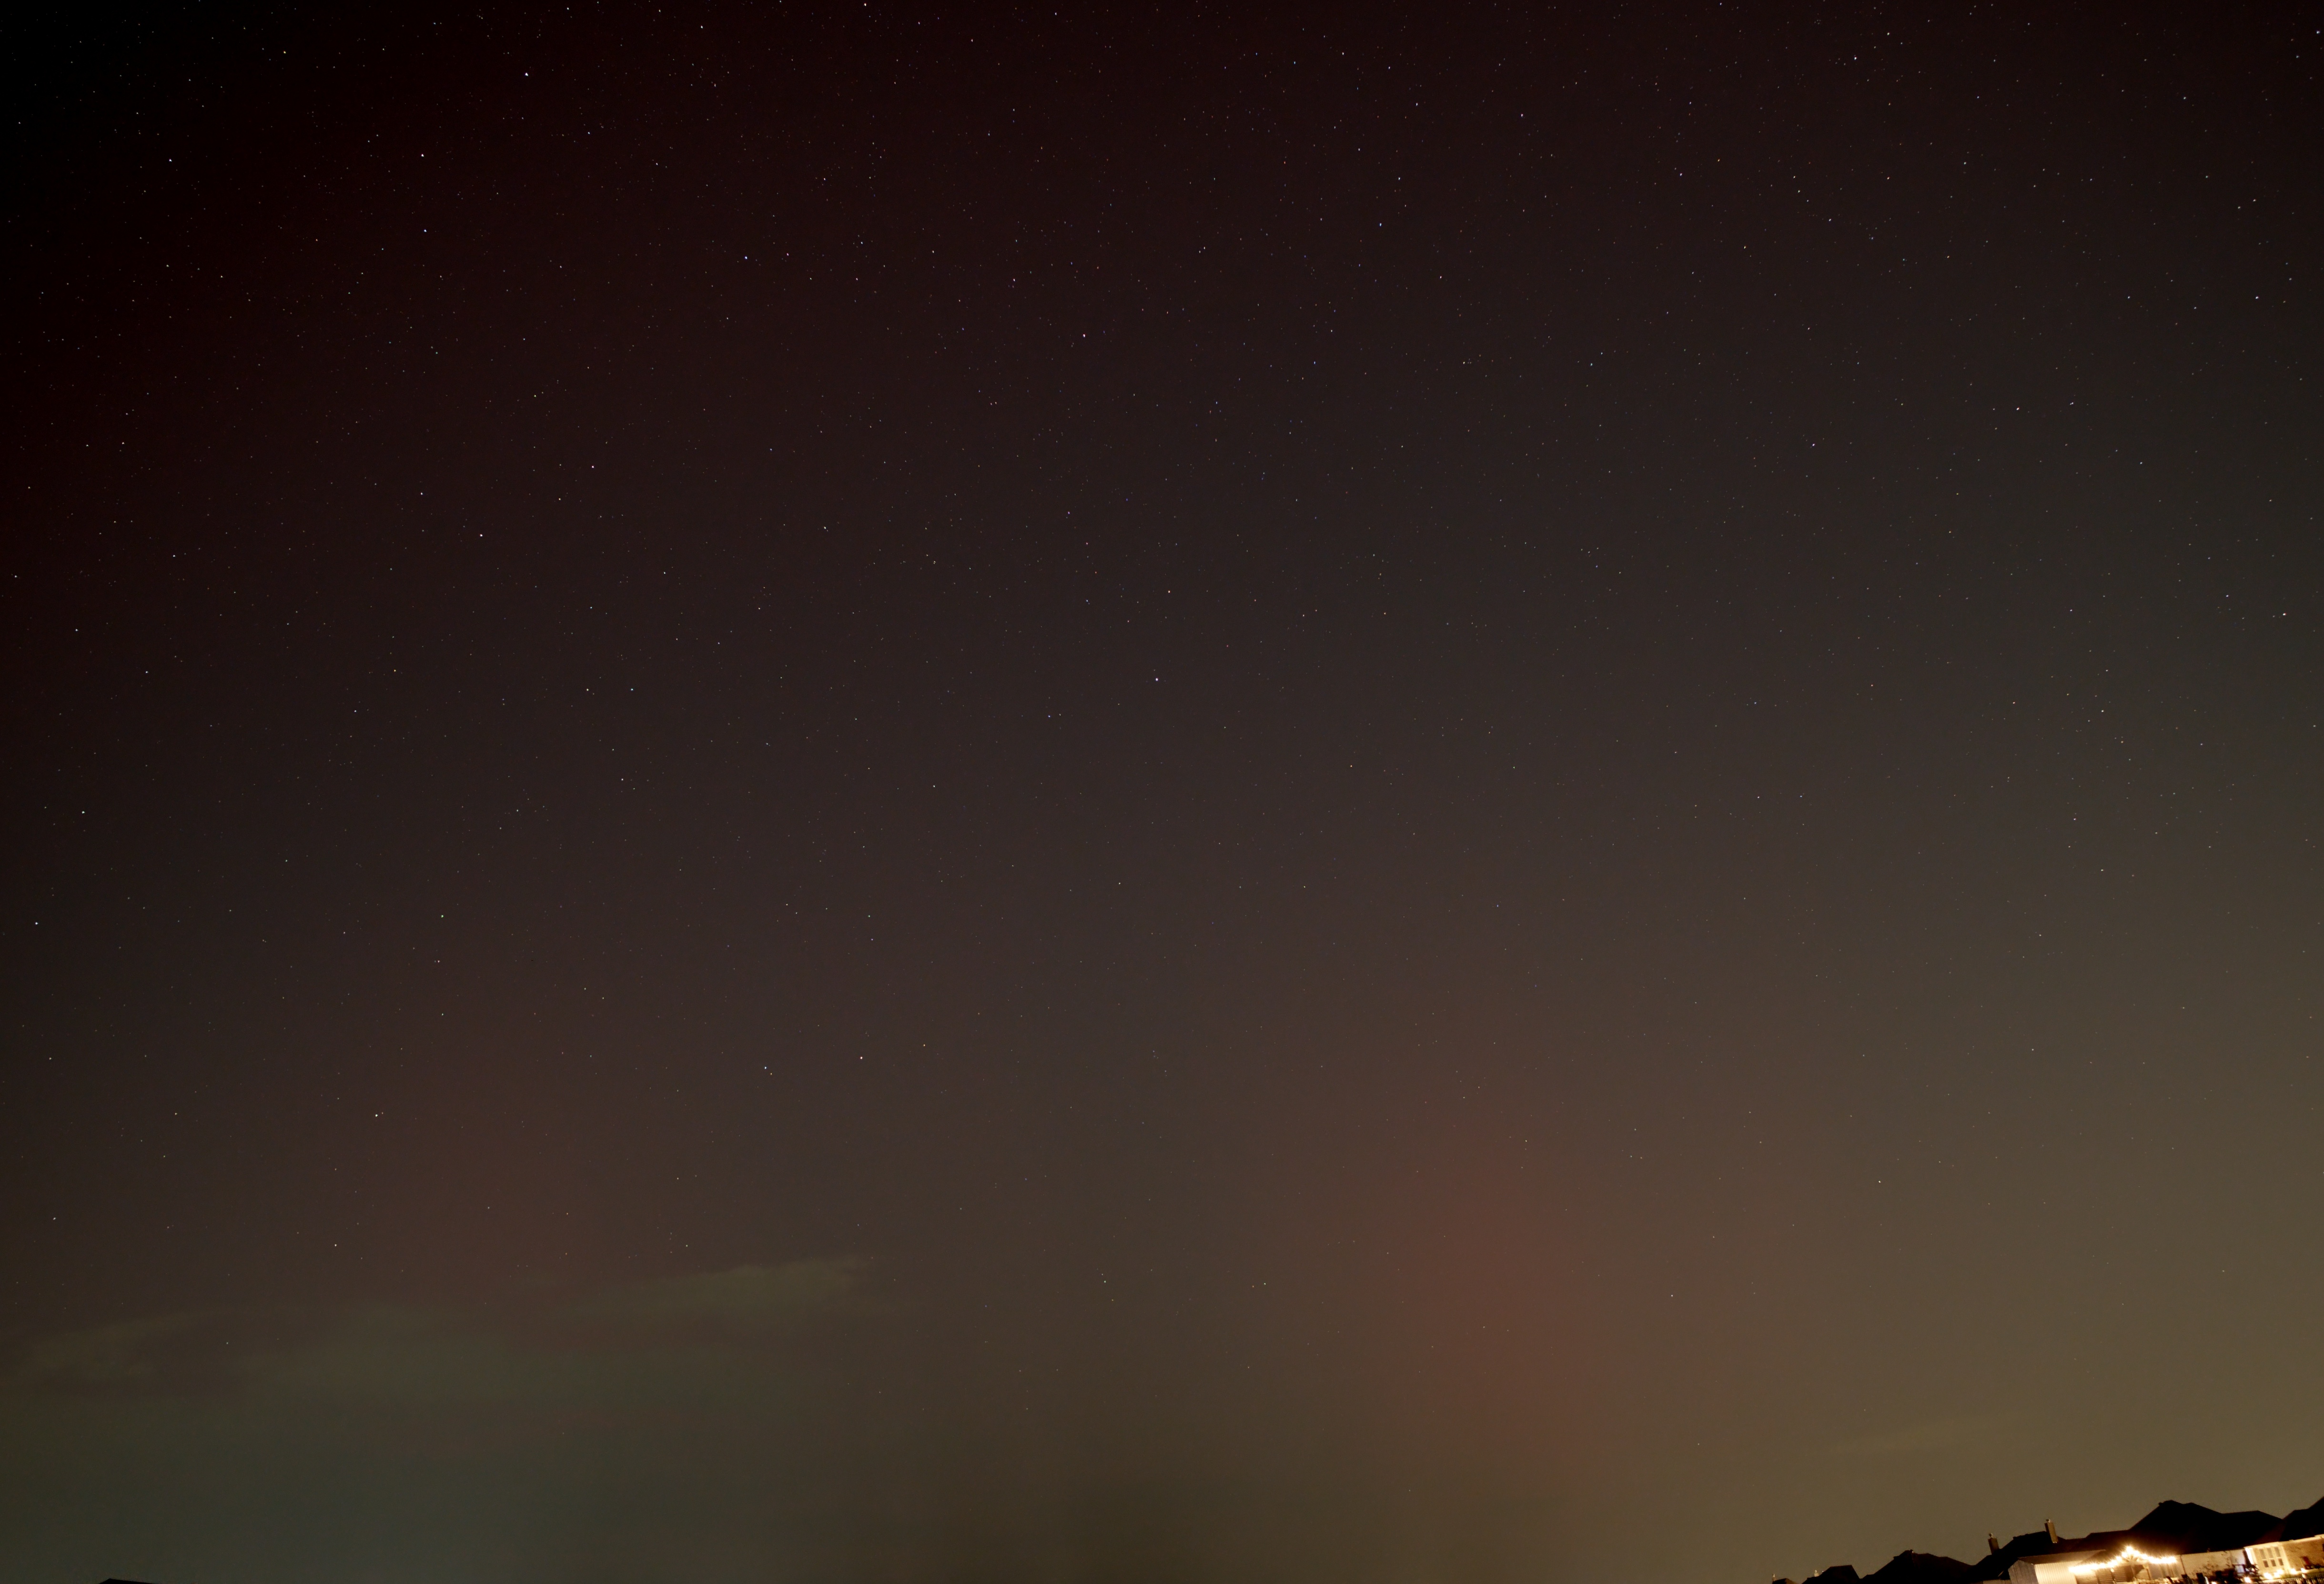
(2033, 1543)
(1921, 1567)
(2304, 1522)
(2185, 1528)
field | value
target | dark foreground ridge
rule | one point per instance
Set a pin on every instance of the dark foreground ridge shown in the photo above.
(2177, 1540)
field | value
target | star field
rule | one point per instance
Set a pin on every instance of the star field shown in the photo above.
(849, 792)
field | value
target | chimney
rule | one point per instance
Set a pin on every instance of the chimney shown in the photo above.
(2053, 1530)
(1991, 1544)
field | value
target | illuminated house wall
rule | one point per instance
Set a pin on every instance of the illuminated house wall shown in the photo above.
(2275, 1557)
(2111, 1565)
(2057, 1567)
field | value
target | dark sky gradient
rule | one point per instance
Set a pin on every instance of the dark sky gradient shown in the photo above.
(858, 793)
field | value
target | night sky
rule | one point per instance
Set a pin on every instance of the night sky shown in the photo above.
(865, 793)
